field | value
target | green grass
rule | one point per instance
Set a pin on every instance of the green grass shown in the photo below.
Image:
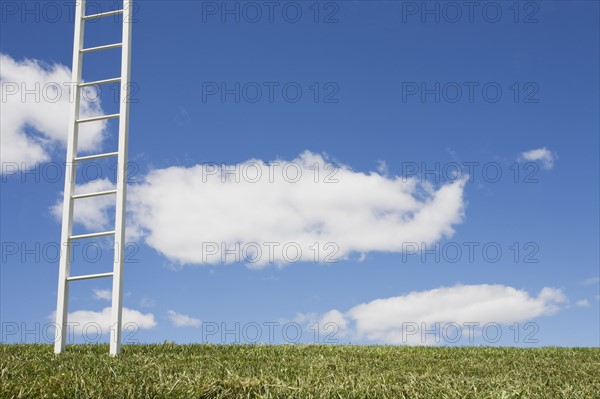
(298, 371)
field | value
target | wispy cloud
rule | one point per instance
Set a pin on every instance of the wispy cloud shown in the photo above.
(583, 303)
(147, 302)
(182, 116)
(591, 281)
(103, 294)
(182, 320)
(543, 156)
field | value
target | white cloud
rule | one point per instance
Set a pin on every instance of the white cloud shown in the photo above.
(583, 303)
(147, 302)
(182, 320)
(332, 322)
(79, 319)
(179, 209)
(95, 213)
(31, 127)
(103, 294)
(382, 168)
(591, 281)
(387, 320)
(542, 155)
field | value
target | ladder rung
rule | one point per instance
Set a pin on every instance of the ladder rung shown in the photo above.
(97, 156)
(89, 276)
(92, 235)
(96, 194)
(105, 47)
(102, 14)
(97, 118)
(99, 82)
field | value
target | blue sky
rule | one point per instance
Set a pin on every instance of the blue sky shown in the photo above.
(379, 106)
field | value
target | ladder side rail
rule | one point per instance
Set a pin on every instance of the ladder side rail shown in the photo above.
(117, 290)
(62, 308)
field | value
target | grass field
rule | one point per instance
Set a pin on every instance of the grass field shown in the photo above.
(311, 371)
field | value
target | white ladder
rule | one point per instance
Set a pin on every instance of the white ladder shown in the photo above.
(64, 276)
